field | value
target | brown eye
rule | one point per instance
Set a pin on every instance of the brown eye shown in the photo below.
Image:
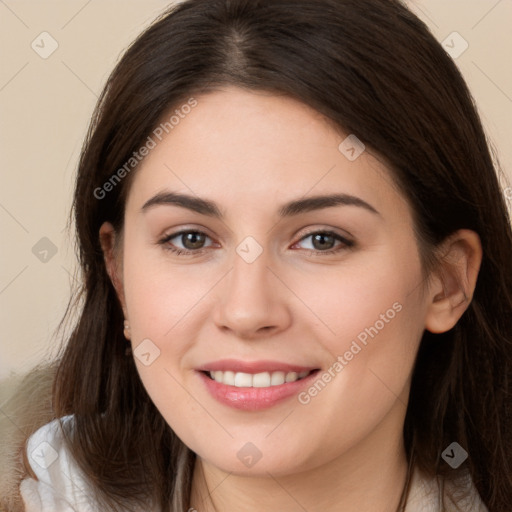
(186, 242)
(322, 241)
(193, 240)
(325, 242)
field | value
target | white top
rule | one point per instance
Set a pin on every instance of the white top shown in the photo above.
(63, 488)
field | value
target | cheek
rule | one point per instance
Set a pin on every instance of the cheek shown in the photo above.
(160, 303)
(161, 297)
(368, 379)
(376, 313)
(166, 305)
(371, 315)
(369, 295)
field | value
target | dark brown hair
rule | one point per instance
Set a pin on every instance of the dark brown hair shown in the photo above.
(375, 70)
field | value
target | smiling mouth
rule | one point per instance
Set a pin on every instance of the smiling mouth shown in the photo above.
(256, 380)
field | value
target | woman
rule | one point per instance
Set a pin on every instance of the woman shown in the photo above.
(289, 210)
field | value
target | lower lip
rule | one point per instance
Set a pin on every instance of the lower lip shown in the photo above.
(254, 399)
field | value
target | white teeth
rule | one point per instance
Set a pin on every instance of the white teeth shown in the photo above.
(228, 378)
(277, 378)
(291, 377)
(261, 380)
(243, 380)
(257, 380)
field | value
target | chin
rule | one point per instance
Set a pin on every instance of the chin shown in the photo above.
(247, 460)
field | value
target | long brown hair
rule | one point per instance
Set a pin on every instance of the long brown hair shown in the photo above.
(375, 70)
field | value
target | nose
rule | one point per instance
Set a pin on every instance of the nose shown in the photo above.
(252, 301)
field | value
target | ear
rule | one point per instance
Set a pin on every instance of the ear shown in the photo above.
(453, 283)
(108, 240)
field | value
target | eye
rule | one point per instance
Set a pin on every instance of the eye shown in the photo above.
(192, 241)
(325, 242)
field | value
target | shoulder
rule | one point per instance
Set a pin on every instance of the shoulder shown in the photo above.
(461, 494)
(437, 494)
(26, 404)
(57, 484)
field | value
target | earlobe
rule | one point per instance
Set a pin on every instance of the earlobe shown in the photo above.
(454, 282)
(107, 236)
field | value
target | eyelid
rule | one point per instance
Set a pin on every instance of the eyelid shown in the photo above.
(175, 234)
(332, 231)
(181, 229)
(346, 242)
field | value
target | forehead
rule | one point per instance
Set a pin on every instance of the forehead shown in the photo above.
(260, 148)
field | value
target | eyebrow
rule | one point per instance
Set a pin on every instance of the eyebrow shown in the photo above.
(209, 208)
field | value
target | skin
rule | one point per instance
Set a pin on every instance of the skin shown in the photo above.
(251, 152)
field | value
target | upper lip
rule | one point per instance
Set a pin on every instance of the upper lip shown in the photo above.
(253, 367)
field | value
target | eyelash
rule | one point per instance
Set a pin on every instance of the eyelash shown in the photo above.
(345, 243)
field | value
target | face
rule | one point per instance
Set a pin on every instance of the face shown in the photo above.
(307, 312)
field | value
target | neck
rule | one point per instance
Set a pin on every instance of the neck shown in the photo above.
(371, 476)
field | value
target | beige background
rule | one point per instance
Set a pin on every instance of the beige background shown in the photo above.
(45, 105)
